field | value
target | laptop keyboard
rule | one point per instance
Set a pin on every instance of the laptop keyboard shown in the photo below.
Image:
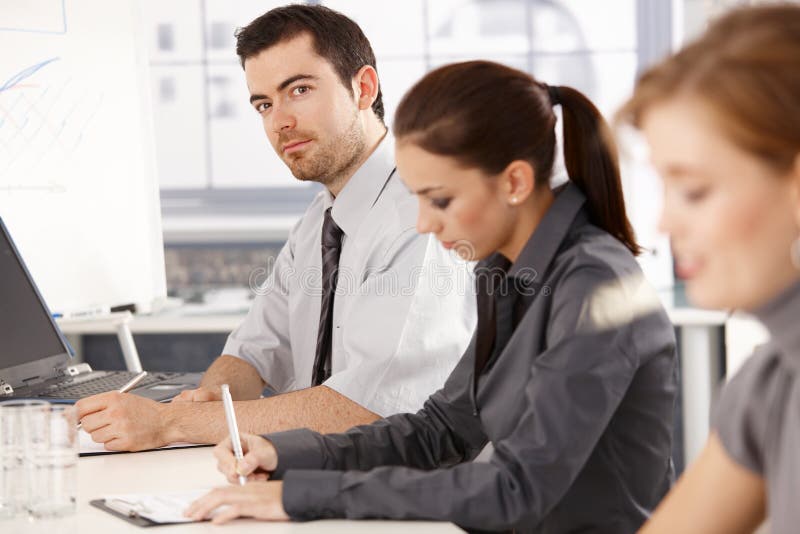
(109, 382)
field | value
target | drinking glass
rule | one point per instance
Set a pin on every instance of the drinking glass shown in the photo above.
(53, 461)
(38, 459)
(16, 426)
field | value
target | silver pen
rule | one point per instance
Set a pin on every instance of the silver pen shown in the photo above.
(233, 429)
(132, 382)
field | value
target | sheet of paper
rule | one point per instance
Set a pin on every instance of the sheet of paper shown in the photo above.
(160, 507)
(89, 447)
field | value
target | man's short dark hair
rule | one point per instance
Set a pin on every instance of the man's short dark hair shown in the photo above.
(336, 38)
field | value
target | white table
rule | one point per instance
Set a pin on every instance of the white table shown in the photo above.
(117, 323)
(179, 470)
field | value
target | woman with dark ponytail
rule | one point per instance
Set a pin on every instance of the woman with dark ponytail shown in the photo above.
(571, 374)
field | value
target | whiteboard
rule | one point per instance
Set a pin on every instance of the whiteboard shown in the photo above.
(78, 186)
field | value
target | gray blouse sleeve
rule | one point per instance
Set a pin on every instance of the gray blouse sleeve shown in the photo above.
(741, 417)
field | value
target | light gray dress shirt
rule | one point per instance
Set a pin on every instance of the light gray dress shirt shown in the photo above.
(578, 404)
(758, 414)
(403, 308)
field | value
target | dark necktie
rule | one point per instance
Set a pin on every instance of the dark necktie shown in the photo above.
(496, 300)
(331, 249)
(505, 302)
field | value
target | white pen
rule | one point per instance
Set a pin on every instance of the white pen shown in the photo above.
(233, 429)
(132, 382)
(129, 385)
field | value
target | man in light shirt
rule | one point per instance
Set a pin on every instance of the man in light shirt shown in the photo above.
(402, 312)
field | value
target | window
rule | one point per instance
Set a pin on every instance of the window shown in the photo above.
(218, 172)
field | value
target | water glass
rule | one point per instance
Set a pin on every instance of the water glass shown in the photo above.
(15, 427)
(39, 450)
(54, 462)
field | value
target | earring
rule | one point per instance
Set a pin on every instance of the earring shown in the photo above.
(794, 252)
(514, 201)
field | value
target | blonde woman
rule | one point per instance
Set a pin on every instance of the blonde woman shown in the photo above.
(722, 118)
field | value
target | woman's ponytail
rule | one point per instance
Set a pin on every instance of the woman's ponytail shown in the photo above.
(590, 156)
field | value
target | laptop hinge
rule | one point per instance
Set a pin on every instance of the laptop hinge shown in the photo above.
(78, 369)
(5, 389)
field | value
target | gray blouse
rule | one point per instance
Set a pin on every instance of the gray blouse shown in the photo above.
(758, 415)
(577, 401)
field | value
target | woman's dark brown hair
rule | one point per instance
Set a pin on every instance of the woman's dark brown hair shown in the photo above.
(746, 70)
(486, 115)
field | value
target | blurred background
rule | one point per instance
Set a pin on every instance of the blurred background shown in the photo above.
(228, 201)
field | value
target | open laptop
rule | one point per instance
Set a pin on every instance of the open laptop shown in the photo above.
(35, 359)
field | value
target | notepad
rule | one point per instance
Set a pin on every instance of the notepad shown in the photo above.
(152, 509)
(87, 447)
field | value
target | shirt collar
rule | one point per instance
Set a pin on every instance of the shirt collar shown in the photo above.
(542, 246)
(363, 188)
(780, 317)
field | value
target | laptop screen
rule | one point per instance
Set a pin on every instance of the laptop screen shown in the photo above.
(27, 333)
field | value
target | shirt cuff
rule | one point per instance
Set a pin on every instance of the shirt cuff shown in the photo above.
(296, 449)
(312, 494)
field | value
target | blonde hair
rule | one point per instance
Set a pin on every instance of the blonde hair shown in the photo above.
(746, 70)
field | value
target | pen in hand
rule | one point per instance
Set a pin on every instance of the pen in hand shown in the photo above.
(133, 381)
(128, 386)
(233, 429)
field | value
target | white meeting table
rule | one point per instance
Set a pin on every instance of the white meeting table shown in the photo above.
(179, 470)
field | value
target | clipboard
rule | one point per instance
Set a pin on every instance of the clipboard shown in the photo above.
(84, 452)
(149, 510)
(87, 447)
(131, 516)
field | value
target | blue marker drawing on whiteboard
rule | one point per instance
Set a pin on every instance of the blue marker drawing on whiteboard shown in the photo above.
(24, 74)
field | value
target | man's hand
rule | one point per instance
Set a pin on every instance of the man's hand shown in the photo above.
(123, 422)
(260, 458)
(261, 500)
(201, 394)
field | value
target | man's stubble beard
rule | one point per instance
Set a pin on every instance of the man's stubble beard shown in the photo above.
(334, 161)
